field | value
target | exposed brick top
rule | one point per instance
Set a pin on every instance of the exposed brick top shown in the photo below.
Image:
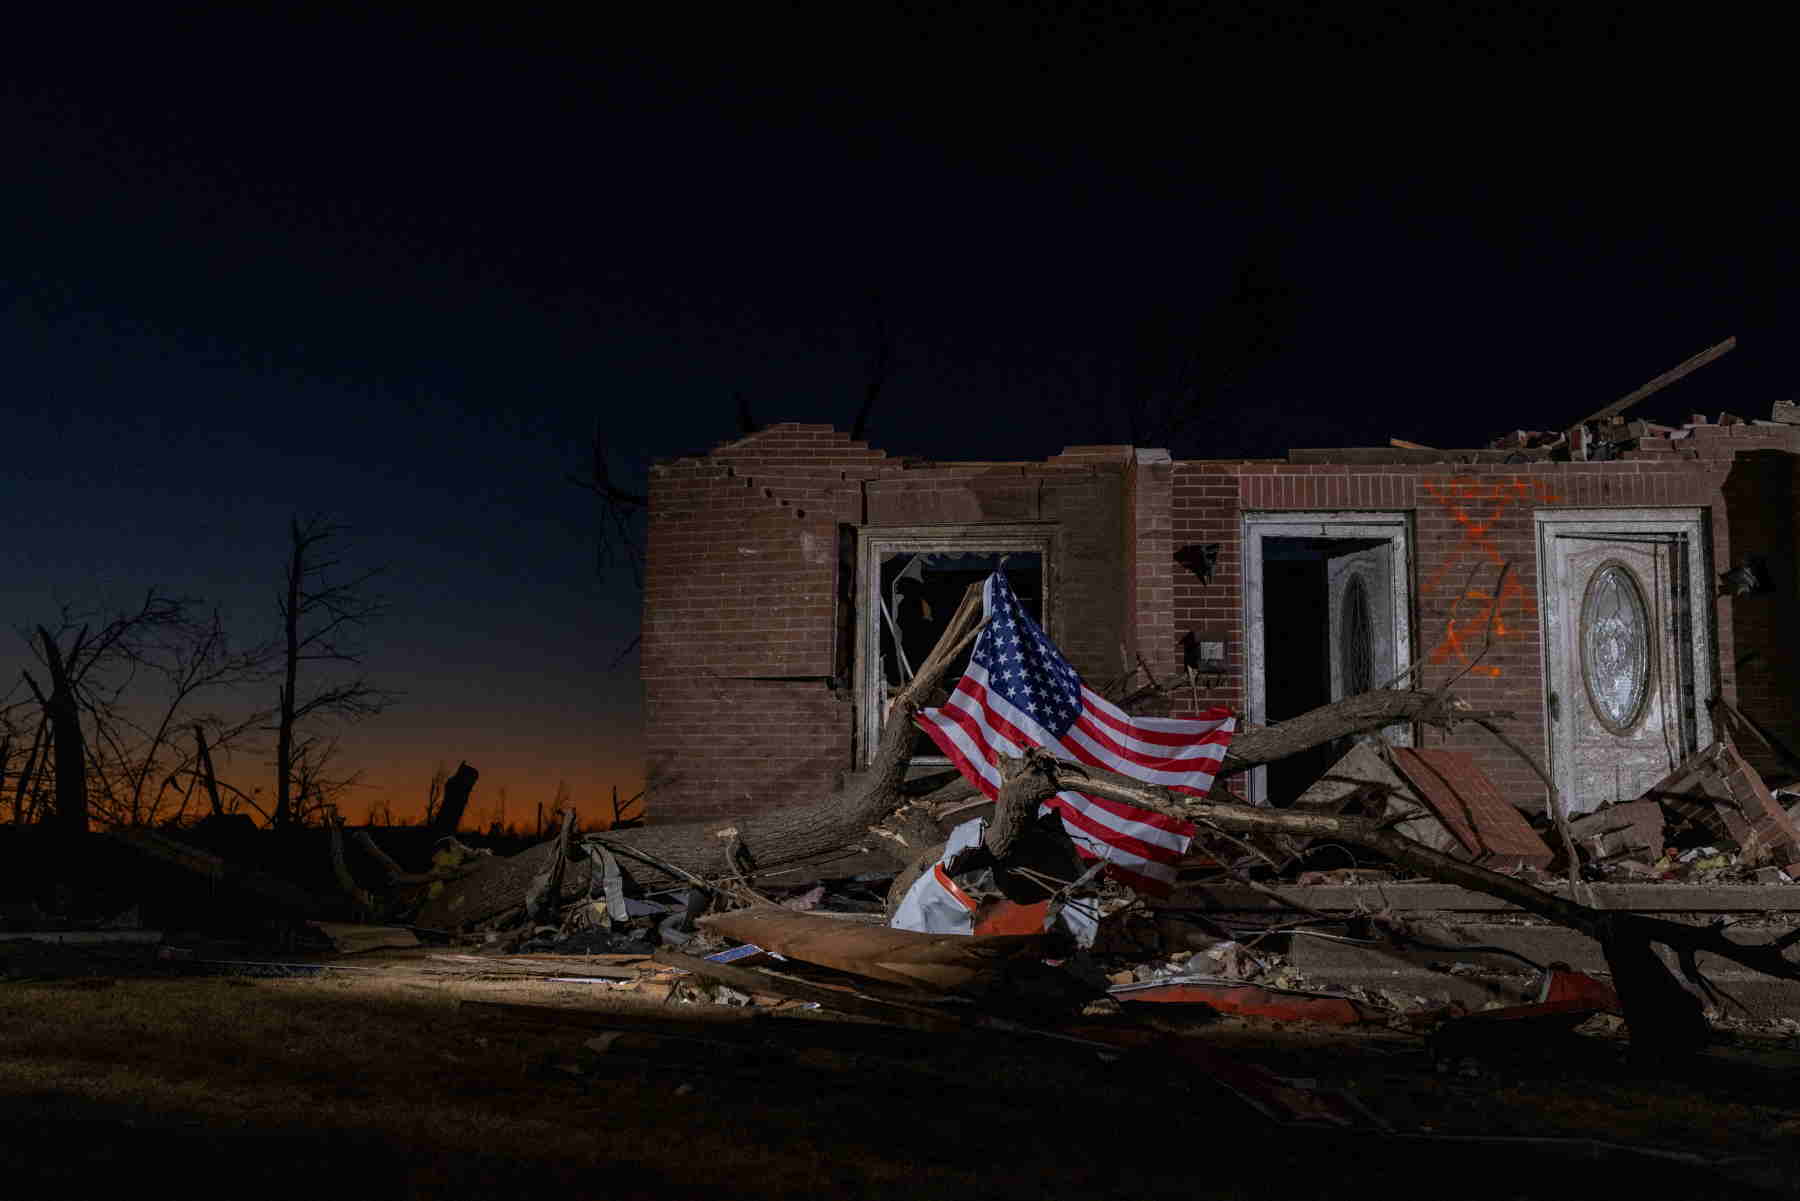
(746, 607)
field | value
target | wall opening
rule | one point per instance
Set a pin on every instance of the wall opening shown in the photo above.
(1325, 645)
(909, 582)
(1327, 609)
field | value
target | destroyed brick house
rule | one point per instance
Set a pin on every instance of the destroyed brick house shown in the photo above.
(1606, 595)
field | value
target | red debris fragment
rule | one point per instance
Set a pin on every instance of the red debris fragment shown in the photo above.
(1248, 1000)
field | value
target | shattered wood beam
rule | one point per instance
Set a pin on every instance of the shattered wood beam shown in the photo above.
(203, 756)
(455, 801)
(370, 847)
(359, 897)
(1662, 381)
(768, 840)
(839, 1000)
(544, 896)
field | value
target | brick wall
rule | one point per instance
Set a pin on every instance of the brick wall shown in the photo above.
(748, 704)
(1150, 574)
(726, 748)
(1474, 518)
(1759, 504)
(1080, 493)
(745, 602)
(740, 621)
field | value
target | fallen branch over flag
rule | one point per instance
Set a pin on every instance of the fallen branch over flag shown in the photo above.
(1019, 692)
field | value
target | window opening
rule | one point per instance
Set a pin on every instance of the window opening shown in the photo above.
(918, 591)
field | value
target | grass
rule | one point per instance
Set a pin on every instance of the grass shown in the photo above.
(380, 1085)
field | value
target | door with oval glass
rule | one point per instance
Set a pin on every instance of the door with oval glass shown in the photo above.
(1360, 621)
(1622, 638)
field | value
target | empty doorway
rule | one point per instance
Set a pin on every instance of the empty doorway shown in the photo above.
(1327, 609)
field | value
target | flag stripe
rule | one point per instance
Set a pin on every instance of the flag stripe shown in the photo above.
(1019, 692)
(1174, 831)
(1090, 750)
(1095, 842)
(1078, 810)
(1175, 732)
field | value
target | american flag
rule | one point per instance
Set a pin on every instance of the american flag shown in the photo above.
(1020, 692)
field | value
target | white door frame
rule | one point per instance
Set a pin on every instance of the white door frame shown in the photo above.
(1394, 528)
(1690, 523)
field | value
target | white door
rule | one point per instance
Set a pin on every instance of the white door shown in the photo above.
(1624, 704)
(1360, 588)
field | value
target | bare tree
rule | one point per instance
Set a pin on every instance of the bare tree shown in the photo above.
(622, 511)
(322, 619)
(434, 792)
(87, 735)
(9, 733)
(619, 821)
(317, 786)
(28, 782)
(195, 660)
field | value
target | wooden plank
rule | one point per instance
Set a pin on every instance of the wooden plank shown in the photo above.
(838, 1000)
(494, 965)
(907, 958)
(1662, 381)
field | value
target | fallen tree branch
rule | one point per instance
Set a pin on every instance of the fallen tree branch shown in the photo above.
(1364, 713)
(842, 822)
(1659, 1012)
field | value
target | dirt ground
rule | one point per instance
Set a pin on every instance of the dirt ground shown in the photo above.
(374, 1079)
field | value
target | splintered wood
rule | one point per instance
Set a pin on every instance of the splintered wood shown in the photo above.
(928, 962)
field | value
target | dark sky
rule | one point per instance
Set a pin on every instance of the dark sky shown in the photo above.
(394, 270)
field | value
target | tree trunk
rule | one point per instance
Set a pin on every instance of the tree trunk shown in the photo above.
(457, 790)
(71, 748)
(1361, 714)
(205, 763)
(23, 790)
(284, 730)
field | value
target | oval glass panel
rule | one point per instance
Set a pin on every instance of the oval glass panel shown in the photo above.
(1615, 647)
(1356, 639)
